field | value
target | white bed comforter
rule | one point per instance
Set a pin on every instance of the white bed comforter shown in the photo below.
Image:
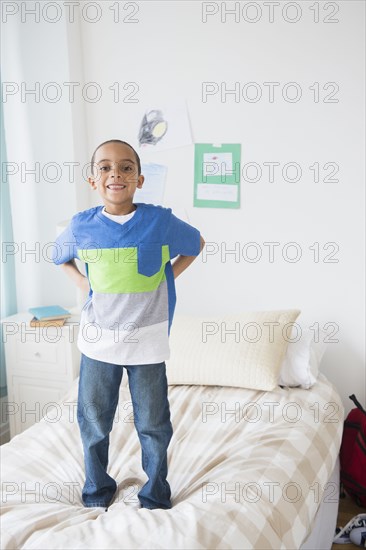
(247, 469)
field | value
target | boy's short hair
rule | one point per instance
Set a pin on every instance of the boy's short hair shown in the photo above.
(123, 143)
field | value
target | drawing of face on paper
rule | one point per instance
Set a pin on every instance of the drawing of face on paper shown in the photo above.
(153, 128)
(217, 164)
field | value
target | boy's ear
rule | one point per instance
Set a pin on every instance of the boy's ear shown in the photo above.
(92, 183)
(140, 181)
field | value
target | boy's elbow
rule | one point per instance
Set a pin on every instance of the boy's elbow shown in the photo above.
(64, 265)
(202, 243)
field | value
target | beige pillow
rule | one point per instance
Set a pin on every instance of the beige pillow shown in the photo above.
(244, 350)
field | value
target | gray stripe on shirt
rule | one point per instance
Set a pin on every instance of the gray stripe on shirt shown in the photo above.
(141, 308)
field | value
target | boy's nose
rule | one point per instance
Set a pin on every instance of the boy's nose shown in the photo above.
(115, 173)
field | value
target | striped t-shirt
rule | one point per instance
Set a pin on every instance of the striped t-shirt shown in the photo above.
(127, 317)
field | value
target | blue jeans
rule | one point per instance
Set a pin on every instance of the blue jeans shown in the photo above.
(97, 402)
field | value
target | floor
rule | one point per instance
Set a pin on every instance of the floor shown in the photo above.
(347, 510)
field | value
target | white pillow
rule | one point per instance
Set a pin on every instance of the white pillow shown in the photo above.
(204, 352)
(300, 366)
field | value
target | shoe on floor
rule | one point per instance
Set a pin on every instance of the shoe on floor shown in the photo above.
(343, 534)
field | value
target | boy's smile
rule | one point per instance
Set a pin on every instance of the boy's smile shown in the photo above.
(115, 176)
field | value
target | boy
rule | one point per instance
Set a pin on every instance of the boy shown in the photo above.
(125, 323)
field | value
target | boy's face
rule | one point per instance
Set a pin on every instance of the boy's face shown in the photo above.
(116, 177)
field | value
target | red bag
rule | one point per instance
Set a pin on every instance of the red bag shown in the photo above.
(353, 454)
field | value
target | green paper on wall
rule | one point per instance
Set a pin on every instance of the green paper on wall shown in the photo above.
(217, 175)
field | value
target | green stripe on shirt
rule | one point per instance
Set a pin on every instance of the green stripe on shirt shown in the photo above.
(114, 270)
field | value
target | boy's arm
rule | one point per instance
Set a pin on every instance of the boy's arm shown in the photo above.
(71, 270)
(182, 262)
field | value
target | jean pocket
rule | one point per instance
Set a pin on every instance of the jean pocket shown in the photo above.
(149, 258)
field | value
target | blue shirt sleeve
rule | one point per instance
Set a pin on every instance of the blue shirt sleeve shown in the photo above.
(65, 248)
(183, 238)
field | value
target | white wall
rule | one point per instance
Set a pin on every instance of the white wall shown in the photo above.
(170, 52)
(44, 137)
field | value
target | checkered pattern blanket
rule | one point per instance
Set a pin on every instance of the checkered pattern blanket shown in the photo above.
(247, 469)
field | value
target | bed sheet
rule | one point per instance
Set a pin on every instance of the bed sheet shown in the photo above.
(247, 469)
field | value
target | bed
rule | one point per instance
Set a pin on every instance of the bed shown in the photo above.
(248, 468)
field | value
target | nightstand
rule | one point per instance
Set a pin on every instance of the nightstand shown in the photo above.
(41, 364)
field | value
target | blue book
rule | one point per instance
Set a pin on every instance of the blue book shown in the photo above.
(46, 313)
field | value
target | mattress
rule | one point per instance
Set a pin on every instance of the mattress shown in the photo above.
(247, 469)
